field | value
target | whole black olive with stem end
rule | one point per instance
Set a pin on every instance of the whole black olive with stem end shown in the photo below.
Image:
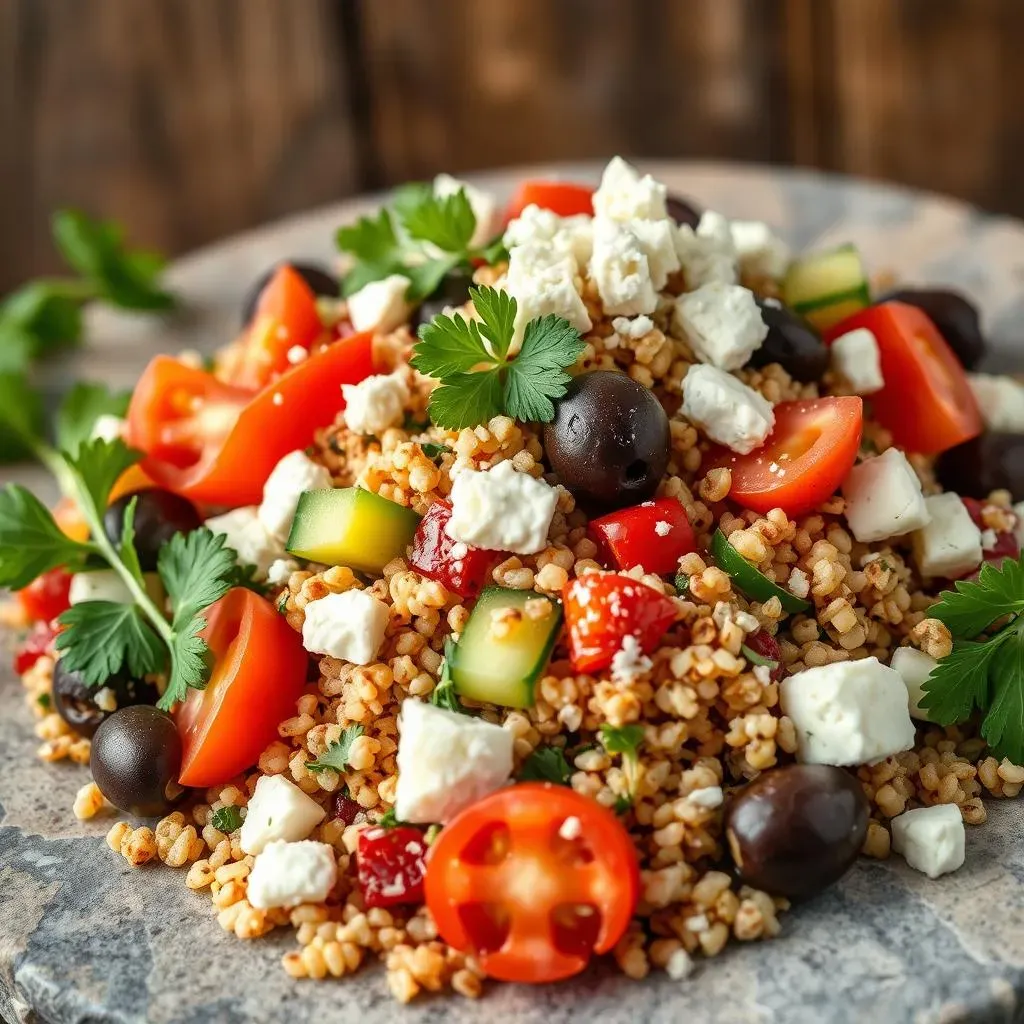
(609, 441)
(792, 342)
(682, 211)
(452, 291)
(159, 515)
(953, 314)
(85, 708)
(990, 462)
(319, 279)
(136, 758)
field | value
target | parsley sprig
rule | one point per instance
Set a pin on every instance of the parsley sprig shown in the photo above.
(480, 377)
(227, 819)
(444, 695)
(546, 764)
(336, 756)
(625, 740)
(983, 672)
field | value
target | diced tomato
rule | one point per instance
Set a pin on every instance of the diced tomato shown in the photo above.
(532, 880)
(927, 403)
(604, 611)
(466, 574)
(344, 807)
(46, 596)
(765, 646)
(654, 535)
(259, 673)
(804, 460)
(390, 865)
(37, 643)
(562, 197)
(216, 444)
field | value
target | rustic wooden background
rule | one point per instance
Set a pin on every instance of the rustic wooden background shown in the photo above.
(192, 119)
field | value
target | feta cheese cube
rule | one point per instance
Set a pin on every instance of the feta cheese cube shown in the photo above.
(722, 323)
(625, 196)
(1001, 401)
(914, 668)
(252, 541)
(501, 509)
(375, 404)
(279, 571)
(446, 761)
(759, 250)
(278, 810)
(848, 713)
(716, 228)
(542, 280)
(107, 428)
(883, 498)
(289, 874)
(707, 257)
(349, 626)
(931, 840)
(101, 585)
(726, 409)
(855, 355)
(951, 544)
(658, 240)
(380, 305)
(635, 328)
(620, 269)
(571, 236)
(295, 473)
(480, 202)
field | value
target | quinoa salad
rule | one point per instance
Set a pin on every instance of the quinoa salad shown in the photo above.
(586, 577)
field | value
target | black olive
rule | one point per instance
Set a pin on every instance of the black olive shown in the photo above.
(135, 760)
(609, 441)
(953, 314)
(682, 211)
(794, 831)
(792, 342)
(159, 515)
(452, 291)
(76, 703)
(991, 462)
(320, 280)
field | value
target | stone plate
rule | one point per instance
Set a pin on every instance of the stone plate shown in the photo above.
(84, 938)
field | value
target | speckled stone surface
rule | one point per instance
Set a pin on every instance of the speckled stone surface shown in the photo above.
(84, 938)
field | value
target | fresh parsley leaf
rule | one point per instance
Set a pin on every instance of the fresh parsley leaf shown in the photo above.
(126, 549)
(389, 819)
(622, 805)
(335, 757)
(197, 569)
(546, 764)
(82, 406)
(757, 659)
(45, 701)
(100, 638)
(444, 694)
(434, 451)
(960, 681)
(1003, 726)
(972, 606)
(537, 375)
(98, 464)
(425, 277)
(226, 819)
(497, 312)
(17, 347)
(682, 582)
(445, 221)
(452, 344)
(21, 416)
(374, 243)
(46, 314)
(191, 662)
(466, 400)
(622, 739)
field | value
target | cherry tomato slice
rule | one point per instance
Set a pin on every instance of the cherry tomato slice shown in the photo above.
(46, 596)
(804, 460)
(390, 863)
(37, 644)
(654, 535)
(562, 197)
(432, 555)
(605, 612)
(927, 403)
(532, 880)
(260, 673)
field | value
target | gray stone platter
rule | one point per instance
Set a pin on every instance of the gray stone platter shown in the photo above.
(83, 938)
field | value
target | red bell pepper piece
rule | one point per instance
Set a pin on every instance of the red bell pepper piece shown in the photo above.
(462, 569)
(654, 535)
(38, 643)
(390, 865)
(46, 596)
(562, 197)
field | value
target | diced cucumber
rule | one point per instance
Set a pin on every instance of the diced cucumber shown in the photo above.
(827, 287)
(107, 585)
(350, 526)
(748, 579)
(504, 648)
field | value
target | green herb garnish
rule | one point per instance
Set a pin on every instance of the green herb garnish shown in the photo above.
(226, 819)
(546, 764)
(337, 754)
(444, 694)
(625, 740)
(434, 451)
(758, 659)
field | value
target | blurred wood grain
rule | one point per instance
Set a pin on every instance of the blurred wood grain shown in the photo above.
(191, 119)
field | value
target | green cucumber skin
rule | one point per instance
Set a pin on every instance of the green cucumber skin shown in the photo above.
(861, 294)
(750, 580)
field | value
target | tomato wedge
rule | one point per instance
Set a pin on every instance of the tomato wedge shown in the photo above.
(259, 674)
(805, 458)
(927, 403)
(654, 535)
(216, 444)
(562, 197)
(46, 596)
(533, 880)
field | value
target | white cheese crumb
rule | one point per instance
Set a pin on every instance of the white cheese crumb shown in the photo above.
(708, 254)
(375, 404)
(289, 874)
(759, 249)
(543, 280)
(662, 529)
(950, 545)
(680, 965)
(931, 839)
(380, 305)
(697, 923)
(914, 668)
(294, 474)
(722, 323)
(277, 398)
(1001, 401)
(883, 498)
(629, 661)
(279, 571)
(278, 810)
(708, 797)
(635, 328)
(855, 355)
(621, 271)
(571, 828)
(297, 354)
(349, 626)
(726, 409)
(246, 533)
(625, 196)
(799, 583)
(989, 539)
(763, 674)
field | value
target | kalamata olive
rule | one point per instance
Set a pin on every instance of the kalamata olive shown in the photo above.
(317, 277)
(135, 760)
(989, 462)
(955, 316)
(609, 441)
(452, 291)
(793, 831)
(792, 342)
(80, 705)
(682, 211)
(159, 515)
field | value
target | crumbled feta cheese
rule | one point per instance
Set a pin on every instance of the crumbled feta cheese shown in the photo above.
(107, 428)
(726, 409)
(571, 236)
(950, 545)
(375, 404)
(715, 227)
(760, 251)
(658, 241)
(763, 674)
(447, 761)
(380, 305)
(625, 196)
(542, 280)
(480, 202)
(662, 529)
(349, 626)
(288, 874)
(799, 583)
(244, 531)
(856, 357)
(989, 539)
(680, 965)
(635, 328)
(295, 473)
(571, 828)
(100, 585)
(501, 509)
(1001, 401)
(914, 667)
(278, 810)
(709, 797)
(883, 498)
(707, 255)
(297, 354)
(931, 839)
(722, 323)
(621, 271)
(848, 713)
(629, 660)
(279, 571)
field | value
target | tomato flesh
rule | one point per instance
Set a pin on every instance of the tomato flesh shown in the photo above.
(506, 885)
(390, 865)
(432, 555)
(654, 535)
(259, 674)
(562, 197)
(37, 644)
(46, 596)
(805, 458)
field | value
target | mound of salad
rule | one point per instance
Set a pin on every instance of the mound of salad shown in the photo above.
(589, 577)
